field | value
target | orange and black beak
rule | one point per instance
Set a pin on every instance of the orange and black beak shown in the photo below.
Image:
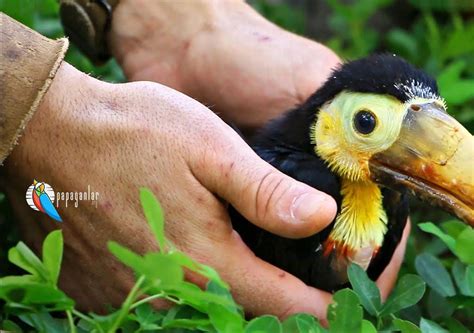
(433, 158)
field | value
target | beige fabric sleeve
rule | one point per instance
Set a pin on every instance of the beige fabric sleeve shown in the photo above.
(28, 64)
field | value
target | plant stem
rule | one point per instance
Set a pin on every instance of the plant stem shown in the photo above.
(379, 322)
(84, 317)
(127, 304)
(146, 299)
(72, 327)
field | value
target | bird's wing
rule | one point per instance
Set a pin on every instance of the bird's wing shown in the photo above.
(49, 207)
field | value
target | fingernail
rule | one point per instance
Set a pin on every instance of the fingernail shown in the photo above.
(305, 206)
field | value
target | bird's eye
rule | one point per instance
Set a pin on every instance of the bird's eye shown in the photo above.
(365, 122)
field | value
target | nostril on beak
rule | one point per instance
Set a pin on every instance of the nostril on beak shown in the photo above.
(415, 107)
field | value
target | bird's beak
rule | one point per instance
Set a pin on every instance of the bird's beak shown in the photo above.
(433, 158)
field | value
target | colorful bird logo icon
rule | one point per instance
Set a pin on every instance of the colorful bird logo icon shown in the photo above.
(40, 196)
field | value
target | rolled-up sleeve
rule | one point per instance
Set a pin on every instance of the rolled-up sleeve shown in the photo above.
(28, 64)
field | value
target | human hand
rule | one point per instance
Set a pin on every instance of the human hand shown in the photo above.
(222, 53)
(227, 56)
(117, 138)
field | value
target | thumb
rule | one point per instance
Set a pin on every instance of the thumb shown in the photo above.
(264, 195)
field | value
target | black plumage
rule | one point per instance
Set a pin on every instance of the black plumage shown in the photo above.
(285, 143)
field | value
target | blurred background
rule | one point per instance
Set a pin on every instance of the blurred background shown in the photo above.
(436, 35)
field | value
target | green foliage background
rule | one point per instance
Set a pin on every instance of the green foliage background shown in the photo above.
(437, 36)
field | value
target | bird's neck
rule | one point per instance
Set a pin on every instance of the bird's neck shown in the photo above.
(362, 221)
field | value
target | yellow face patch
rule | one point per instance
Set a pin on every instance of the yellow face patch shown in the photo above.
(337, 140)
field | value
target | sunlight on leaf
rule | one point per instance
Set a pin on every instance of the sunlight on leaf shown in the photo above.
(53, 254)
(465, 246)
(345, 313)
(154, 215)
(406, 326)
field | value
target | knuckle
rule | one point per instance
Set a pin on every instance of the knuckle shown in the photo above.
(271, 187)
(290, 307)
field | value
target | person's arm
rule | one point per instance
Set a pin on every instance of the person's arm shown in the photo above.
(28, 64)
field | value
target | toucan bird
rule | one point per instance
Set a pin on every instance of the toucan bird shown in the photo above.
(376, 131)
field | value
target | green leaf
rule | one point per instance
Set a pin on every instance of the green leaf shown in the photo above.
(433, 229)
(455, 44)
(184, 316)
(53, 254)
(105, 323)
(44, 322)
(434, 274)
(194, 266)
(192, 324)
(406, 326)
(9, 326)
(154, 215)
(455, 326)
(146, 315)
(23, 257)
(403, 41)
(163, 269)
(302, 323)
(34, 294)
(345, 313)
(126, 256)
(461, 274)
(19, 279)
(266, 323)
(224, 320)
(409, 290)
(217, 289)
(194, 296)
(453, 87)
(470, 279)
(365, 288)
(439, 306)
(368, 327)
(453, 227)
(428, 326)
(465, 246)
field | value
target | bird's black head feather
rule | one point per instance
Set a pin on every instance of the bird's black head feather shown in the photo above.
(379, 74)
